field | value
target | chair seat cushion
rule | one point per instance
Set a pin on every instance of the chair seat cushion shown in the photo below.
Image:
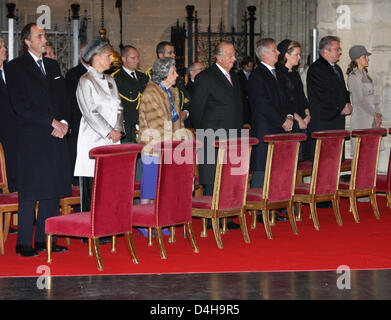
(302, 188)
(343, 185)
(381, 183)
(9, 198)
(203, 202)
(144, 215)
(254, 195)
(77, 224)
(304, 165)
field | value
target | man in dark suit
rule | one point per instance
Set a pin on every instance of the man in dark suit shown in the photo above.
(131, 84)
(72, 78)
(247, 66)
(7, 124)
(194, 69)
(270, 113)
(328, 97)
(39, 97)
(217, 104)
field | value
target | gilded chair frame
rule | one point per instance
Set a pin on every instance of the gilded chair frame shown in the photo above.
(312, 198)
(264, 205)
(214, 213)
(352, 193)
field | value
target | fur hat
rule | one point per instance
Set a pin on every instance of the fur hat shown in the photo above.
(92, 47)
(283, 48)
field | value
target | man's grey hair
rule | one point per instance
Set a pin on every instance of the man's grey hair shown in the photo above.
(325, 43)
(160, 69)
(262, 46)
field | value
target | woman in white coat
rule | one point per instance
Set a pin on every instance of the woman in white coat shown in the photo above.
(102, 114)
(366, 110)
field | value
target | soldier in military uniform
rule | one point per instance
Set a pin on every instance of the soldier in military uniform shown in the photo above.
(131, 84)
(166, 49)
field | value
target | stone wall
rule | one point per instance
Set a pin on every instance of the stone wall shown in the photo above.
(365, 22)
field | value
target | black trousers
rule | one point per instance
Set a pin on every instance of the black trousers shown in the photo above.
(26, 215)
(86, 184)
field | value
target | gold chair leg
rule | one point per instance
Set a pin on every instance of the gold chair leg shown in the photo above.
(292, 220)
(7, 225)
(113, 242)
(67, 210)
(159, 240)
(353, 206)
(172, 239)
(265, 217)
(190, 232)
(1, 235)
(130, 245)
(204, 233)
(273, 218)
(243, 227)
(253, 219)
(90, 247)
(224, 228)
(337, 213)
(388, 197)
(298, 205)
(314, 215)
(98, 258)
(49, 247)
(375, 209)
(216, 232)
(150, 236)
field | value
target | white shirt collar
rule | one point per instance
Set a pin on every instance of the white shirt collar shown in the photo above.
(129, 72)
(268, 66)
(36, 59)
(222, 69)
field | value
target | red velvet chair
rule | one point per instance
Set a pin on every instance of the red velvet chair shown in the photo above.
(172, 205)
(383, 181)
(230, 187)
(364, 168)
(8, 202)
(325, 174)
(279, 182)
(111, 204)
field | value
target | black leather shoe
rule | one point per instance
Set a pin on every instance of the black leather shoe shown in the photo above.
(232, 225)
(280, 218)
(209, 224)
(12, 230)
(326, 204)
(26, 251)
(55, 248)
(104, 240)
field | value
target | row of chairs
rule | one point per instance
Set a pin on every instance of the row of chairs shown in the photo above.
(113, 212)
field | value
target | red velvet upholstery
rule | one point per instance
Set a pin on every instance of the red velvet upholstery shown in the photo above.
(280, 173)
(364, 167)
(325, 174)
(112, 196)
(174, 189)
(9, 198)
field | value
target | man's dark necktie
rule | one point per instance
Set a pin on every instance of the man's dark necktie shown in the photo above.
(40, 64)
(335, 68)
(133, 75)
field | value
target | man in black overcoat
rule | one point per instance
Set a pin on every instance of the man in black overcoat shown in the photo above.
(270, 113)
(247, 66)
(328, 97)
(39, 97)
(72, 78)
(217, 104)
